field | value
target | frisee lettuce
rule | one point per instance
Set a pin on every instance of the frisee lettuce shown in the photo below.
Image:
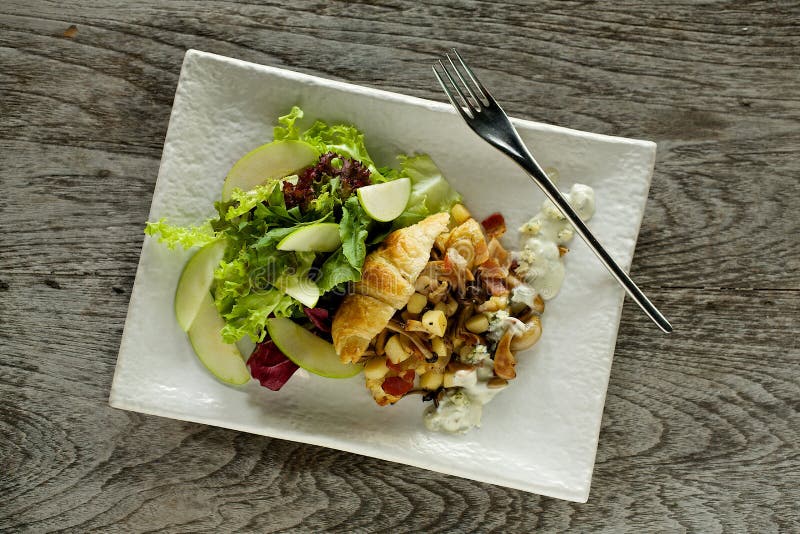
(250, 313)
(183, 236)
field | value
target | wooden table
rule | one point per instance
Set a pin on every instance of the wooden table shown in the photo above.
(701, 428)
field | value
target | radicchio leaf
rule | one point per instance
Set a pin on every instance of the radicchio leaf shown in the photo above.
(320, 317)
(270, 366)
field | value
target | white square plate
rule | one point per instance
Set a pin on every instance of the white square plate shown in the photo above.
(540, 435)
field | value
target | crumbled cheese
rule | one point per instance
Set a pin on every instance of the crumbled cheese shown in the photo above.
(524, 294)
(478, 354)
(461, 407)
(539, 260)
(456, 413)
(500, 322)
(531, 227)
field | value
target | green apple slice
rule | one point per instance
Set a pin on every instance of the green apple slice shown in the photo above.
(301, 288)
(268, 162)
(223, 359)
(196, 281)
(385, 202)
(308, 351)
(319, 237)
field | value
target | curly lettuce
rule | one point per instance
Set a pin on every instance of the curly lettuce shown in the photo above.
(183, 236)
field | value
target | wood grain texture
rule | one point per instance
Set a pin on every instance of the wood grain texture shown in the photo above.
(701, 428)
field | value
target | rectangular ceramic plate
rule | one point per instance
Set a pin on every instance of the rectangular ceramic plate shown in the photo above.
(540, 435)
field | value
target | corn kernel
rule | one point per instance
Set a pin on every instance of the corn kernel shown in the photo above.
(460, 213)
(439, 347)
(375, 368)
(477, 324)
(397, 349)
(448, 380)
(408, 316)
(431, 380)
(435, 322)
(416, 303)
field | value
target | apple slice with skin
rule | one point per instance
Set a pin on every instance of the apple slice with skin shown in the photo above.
(196, 281)
(319, 237)
(301, 288)
(268, 162)
(223, 359)
(308, 351)
(385, 202)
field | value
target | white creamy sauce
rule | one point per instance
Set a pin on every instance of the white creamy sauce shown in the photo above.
(539, 260)
(540, 264)
(461, 407)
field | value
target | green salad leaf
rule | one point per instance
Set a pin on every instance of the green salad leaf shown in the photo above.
(185, 236)
(243, 201)
(353, 229)
(430, 191)
(250, 313)
(286, 128)
(337, 271)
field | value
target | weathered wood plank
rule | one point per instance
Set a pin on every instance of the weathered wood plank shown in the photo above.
(701, 427)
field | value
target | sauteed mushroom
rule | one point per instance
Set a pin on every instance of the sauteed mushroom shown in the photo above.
(530, 336)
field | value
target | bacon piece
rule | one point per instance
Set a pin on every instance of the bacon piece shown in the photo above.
(492, 269)
(494, 225)
(398, 386)
(495, 286)
(493, 277)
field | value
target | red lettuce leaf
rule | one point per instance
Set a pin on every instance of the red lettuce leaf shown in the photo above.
(352, 173)
(270, 366)
(320, 317)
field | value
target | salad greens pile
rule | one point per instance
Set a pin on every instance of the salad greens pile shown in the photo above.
(248, 281)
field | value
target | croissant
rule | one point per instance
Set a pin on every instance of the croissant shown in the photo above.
(386, 285)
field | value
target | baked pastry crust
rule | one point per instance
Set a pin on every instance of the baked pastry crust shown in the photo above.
(409, 249)
(383, 281)
(359, 319)
(386, 285)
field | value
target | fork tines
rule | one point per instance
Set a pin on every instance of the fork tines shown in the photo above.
(469, 106)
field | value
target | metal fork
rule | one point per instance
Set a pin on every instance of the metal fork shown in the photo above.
(484, 115)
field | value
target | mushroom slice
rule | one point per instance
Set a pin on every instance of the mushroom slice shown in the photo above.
(528, 338)
(504, 360)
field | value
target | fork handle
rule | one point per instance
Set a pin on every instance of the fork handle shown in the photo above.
(527, 162)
